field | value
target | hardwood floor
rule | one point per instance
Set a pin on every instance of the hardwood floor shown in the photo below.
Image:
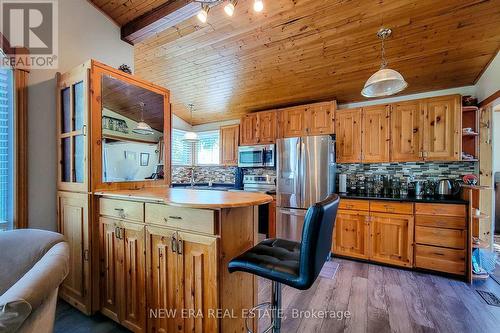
(378, 299)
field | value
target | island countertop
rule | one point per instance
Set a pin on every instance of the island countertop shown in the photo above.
(191, 198)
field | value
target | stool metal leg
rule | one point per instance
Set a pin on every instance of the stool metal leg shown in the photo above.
(276, 307)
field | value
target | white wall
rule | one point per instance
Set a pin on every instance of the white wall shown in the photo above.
(84, 33)
(489, 82)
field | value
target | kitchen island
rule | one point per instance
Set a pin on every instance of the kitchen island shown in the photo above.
(164, 255)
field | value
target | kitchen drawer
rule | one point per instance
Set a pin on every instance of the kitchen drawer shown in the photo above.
(440, 237)
(449, 222)
(392, 207)
(122, 209)
(440, 209)
(189, 219)
(354, 204)
(440, 259)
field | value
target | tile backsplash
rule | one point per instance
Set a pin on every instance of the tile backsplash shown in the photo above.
(204, 174)
(259, 171)
(419, 170)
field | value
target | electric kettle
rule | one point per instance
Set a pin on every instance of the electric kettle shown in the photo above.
(447, 188)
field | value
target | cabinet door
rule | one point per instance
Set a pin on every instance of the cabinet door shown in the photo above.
(267, 125)
(229, 138)
(197, 264)
(348, 129)
(293, 122)
(320, 118)
(391, 238)
(73, 223)
(442, 129)
(406, 131)
(376, 134)
(133, 282)
(111, 256)
(248, 134)
(351, 234)
(72, 124)
(161, 282)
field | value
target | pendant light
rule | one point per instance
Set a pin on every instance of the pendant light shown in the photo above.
(191, 137)
(386, 81)
(229, 8)
(143, 128)
(258, 6)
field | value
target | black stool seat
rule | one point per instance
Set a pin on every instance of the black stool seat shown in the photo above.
(273, 259)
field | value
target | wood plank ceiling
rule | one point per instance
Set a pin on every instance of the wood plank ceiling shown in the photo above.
(124, 11)
(299, 51)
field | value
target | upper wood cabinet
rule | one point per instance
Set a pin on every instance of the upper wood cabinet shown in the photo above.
(267, 125)
(293, 122)
(249, 130)
(349, 140)
(442, 124)
(320, 118)
(406, 131)
(304, 120)
(229, 140)
(375, 141)
(73, 223)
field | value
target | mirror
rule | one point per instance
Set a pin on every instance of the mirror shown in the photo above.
(132, 132)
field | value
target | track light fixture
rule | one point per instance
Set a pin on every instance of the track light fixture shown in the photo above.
(229, 8)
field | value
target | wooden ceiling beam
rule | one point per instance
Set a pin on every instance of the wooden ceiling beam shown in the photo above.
(163, 17)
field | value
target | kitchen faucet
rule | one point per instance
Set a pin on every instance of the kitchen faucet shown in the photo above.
(192, 178)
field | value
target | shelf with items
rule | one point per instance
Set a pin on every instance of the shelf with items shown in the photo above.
(470, 133)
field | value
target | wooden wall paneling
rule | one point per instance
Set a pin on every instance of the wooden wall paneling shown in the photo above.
(251, 64)
(229, 142)
(293, 121)
(249, 130)
(442, 128)
(349, 140)
(320, 118)
(406, 131)
(74, 224)
(376, 134)
(267, 126)
(486, 171)
(98, 70)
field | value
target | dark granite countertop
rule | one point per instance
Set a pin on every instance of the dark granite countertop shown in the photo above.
(205, 186)
(406, 199)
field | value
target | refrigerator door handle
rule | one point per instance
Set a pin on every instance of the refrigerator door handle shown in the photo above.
(298, 177)
(302, 172)
(293, 212)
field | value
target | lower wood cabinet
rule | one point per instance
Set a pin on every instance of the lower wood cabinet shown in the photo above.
(123, 267)
(73, 223)
(182, 279)
(351, 234)
(391, 238)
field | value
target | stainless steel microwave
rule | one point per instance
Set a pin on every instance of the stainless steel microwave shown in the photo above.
(256, 156)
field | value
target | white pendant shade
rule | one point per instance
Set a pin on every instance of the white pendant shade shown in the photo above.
(385, 82)
(191, 137)
(143, 128)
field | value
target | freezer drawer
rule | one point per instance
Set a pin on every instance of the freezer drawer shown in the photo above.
(289, 223)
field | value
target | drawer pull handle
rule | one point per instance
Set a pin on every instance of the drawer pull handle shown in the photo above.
(439, 254)
(121, 212)
(175, 217)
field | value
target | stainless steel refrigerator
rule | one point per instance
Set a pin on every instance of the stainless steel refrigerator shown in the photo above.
(305, 175)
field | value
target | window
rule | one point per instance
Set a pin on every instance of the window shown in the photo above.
(6, 149)
(207, 149)
(204, 152)
(182, 152)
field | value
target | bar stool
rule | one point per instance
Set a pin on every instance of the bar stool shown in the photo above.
(294, 264)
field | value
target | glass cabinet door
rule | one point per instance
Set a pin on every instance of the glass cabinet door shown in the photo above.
(73, 114)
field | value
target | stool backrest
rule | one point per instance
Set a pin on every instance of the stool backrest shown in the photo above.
(317, 238)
